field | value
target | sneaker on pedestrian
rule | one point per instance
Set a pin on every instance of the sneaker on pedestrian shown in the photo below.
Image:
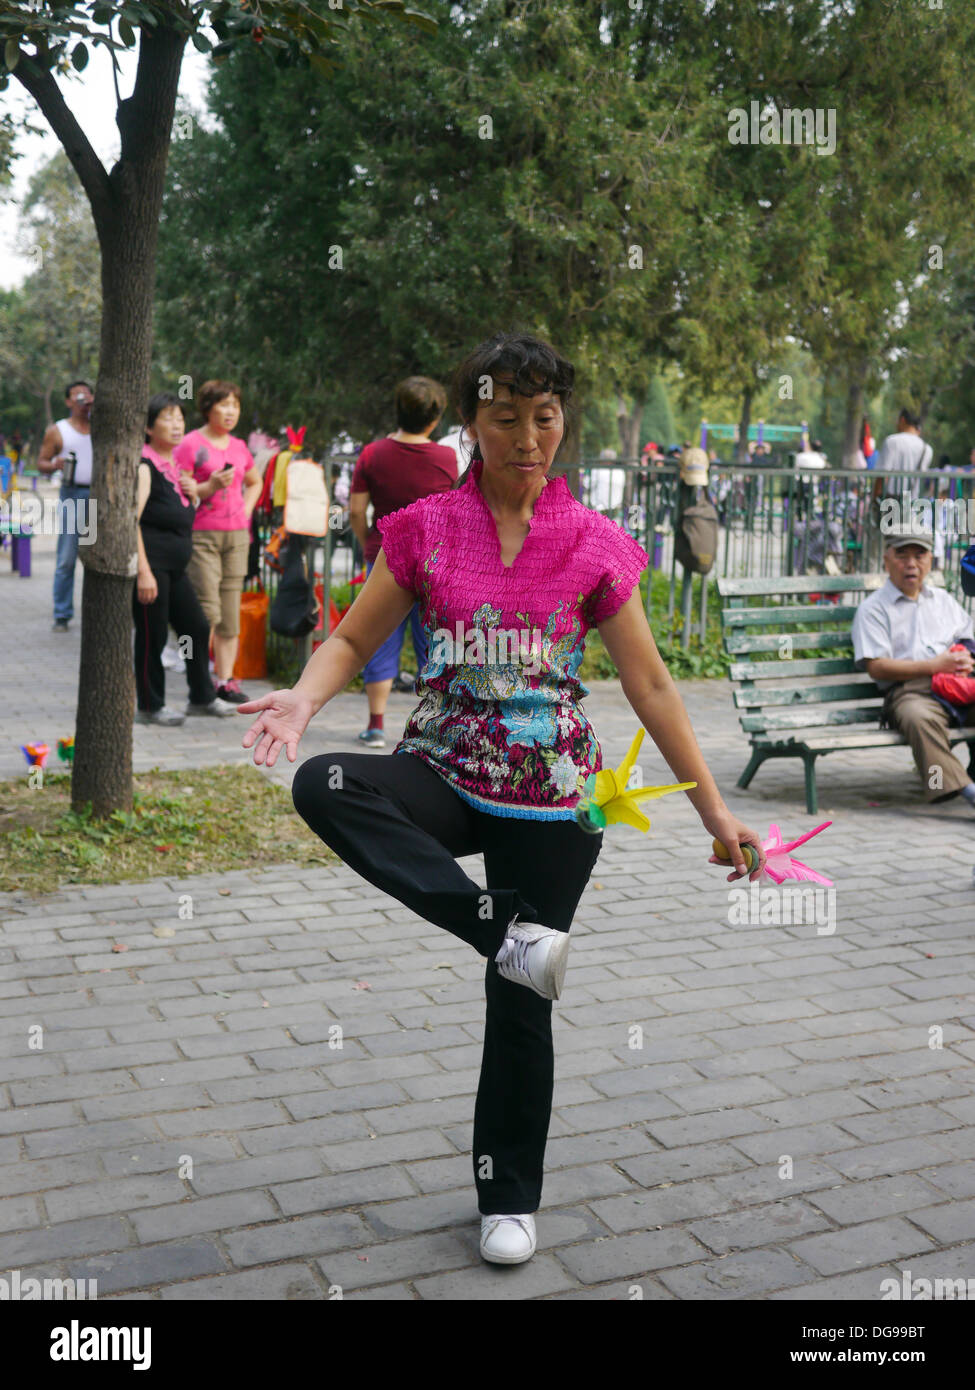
(534, 956)
(373, 738)
(60, 625)
(218, 707)
(172, 658)
(404, 683)
(231, 691)
(159, 716)
(507, 1240)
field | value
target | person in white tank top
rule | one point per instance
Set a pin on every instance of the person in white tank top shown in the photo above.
(67, 445)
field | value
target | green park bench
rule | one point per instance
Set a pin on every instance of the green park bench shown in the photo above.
(784, 706)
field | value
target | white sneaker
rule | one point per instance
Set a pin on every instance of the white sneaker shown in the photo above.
(534, 956)
(220, 708)
(169, 717)
(507, 1240)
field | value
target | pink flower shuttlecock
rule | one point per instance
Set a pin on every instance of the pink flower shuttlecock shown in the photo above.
(779, 864)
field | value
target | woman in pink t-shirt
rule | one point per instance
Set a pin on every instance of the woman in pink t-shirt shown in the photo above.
(228, 487)
(510, 572)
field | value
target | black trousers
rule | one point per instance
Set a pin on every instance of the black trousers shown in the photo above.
(176, 603)
(401, 826)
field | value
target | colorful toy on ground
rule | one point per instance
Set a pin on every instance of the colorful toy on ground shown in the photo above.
(66, 749)
(35, 753)
(607, 800)
(779, 864)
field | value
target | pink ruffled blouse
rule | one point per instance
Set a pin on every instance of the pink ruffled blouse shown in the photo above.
(500, 715)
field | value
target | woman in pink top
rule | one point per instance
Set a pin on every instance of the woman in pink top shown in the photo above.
(510, 572)
(228, 487)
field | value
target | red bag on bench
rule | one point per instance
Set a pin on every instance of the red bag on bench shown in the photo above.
(957, 690)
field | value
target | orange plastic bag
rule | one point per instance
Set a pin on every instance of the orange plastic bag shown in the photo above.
(251, 663)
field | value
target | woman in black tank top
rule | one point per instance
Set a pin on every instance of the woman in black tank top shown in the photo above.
(162, 593)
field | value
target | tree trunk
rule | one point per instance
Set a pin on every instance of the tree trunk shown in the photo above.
(127, 220)
(570, 451)
(628, 421)
(853, 414)
(741, 453)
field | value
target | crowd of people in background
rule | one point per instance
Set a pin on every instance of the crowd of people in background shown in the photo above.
(197, 493)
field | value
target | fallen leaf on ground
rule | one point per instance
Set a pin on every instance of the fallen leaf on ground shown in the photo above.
(119, 946)
(164, 931)
(361, 984)
(163, 848)
(442, 965)
(224, 892)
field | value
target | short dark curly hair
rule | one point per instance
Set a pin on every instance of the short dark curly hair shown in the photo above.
(527, 364)
(212, 393)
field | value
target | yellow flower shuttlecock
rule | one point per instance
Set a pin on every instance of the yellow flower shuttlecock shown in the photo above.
(607, 800)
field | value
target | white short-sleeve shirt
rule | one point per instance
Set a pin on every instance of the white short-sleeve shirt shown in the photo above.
(889, 624)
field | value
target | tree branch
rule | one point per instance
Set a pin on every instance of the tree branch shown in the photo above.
(40, 84)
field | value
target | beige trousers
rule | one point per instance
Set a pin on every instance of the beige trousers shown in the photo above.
(926, 725)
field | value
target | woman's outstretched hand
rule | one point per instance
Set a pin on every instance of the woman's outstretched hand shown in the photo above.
(283, 718)
(733, 834)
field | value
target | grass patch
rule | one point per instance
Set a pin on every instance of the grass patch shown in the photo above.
(203, 821)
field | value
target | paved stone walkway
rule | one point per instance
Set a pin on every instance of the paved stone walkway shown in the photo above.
(741, 1111)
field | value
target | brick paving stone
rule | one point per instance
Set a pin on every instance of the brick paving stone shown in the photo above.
(255, 1172)
(895, 1156)
(952, 1179)
(741, 1275)
(761, 1042)
(18, 1213)
(399, 1259)
(166, 1157)
(638, 1211)
(865, 1284)
(768, 1225)
(307, 1236)
(678, 1165)
(541, 1275)
(150, 1265)
(61, 1241)
(344, 1190)
(880, 1197)
(947, 1223)
(869, 1243)
(199, 1215)
(621, 1257)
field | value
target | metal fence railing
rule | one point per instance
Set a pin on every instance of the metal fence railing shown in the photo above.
(772, 521)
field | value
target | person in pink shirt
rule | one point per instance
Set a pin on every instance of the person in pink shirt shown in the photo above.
(510, 572)
(228, 485)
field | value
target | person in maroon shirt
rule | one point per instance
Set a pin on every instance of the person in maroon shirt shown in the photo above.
(391, 473)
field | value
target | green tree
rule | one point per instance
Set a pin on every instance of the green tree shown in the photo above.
(472, 190)
(39, 42)
(49, 327)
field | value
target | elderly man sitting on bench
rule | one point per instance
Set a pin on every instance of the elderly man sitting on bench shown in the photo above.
(901, 637)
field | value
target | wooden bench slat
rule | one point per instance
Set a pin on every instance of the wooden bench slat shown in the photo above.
(767, 617)
(809, 718)
(826, 743)
(811, 584)
(775, 641)
(800, 584)
(779, 670)
(806, 695)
